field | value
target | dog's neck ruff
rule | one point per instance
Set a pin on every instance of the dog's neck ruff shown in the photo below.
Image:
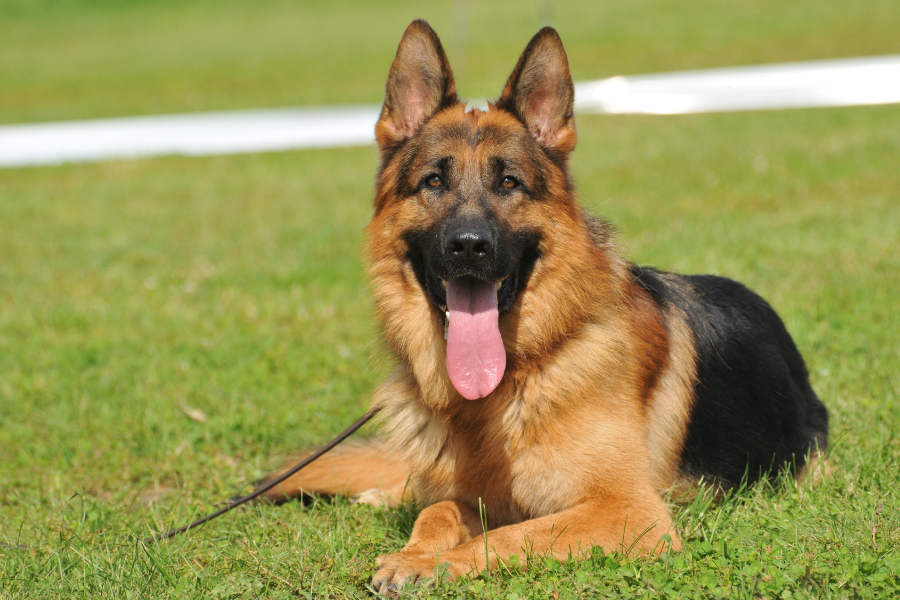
(476, 358)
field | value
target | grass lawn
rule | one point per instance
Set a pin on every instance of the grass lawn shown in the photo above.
(173, 328)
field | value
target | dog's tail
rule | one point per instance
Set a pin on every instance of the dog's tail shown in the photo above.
(366, 471)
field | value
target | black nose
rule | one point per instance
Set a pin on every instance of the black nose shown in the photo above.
(469, 244)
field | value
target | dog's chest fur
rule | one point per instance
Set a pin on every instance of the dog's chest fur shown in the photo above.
(512, 480)
(504, 453)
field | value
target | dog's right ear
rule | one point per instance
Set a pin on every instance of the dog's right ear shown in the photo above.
(420, 84)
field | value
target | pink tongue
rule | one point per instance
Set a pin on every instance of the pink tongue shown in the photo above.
(476, 358)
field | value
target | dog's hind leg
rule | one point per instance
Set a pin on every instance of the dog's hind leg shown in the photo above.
(366, 470)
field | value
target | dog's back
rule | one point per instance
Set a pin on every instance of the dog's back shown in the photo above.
(753, 411)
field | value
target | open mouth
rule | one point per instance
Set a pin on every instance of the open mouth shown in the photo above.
(470, 307)
(506, 289)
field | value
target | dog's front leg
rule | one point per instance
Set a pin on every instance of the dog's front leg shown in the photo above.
(438, 528)
(614, 526)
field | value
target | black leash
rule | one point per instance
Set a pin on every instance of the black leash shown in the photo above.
(269, 484)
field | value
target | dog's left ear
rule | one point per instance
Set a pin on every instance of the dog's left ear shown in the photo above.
(541, 94)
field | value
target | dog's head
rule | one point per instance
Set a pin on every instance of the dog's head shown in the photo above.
(467, 200)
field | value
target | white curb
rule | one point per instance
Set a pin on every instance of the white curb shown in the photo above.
(847, 82)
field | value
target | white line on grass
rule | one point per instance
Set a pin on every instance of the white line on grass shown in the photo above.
(196, 134)
(847, 82)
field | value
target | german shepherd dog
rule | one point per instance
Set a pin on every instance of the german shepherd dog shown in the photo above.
(543, 379)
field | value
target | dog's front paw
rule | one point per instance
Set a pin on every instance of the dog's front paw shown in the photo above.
(401, 568)
(398, 569)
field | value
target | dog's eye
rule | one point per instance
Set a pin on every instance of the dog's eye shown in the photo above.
(509, 182)
(434, 181)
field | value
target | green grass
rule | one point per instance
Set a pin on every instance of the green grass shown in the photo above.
(135, 292)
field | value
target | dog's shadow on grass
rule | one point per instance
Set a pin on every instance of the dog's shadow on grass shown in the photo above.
(704, 511)
(397, 521)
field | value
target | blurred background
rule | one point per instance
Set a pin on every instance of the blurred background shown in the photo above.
(70, 59)
(172, 328)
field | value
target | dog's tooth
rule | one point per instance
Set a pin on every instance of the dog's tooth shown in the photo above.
(447, 312)
(499, 283)
(444, 284)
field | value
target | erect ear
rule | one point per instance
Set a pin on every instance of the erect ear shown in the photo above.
(541, 94)
(419, 84)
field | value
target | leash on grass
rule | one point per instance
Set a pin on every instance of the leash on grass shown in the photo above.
(269, 484)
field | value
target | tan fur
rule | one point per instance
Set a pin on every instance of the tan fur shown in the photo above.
(668, 409)
(357, 468)
(815, 471)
